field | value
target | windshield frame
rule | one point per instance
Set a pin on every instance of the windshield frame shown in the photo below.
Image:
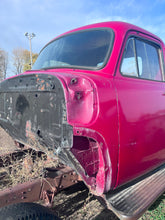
(111, 44)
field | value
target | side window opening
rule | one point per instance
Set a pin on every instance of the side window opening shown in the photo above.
(141, 59)
(150, 60)
(129, 66)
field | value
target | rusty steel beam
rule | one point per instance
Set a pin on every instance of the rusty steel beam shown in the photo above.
(56, 181)
(45, 189)
(23, 192)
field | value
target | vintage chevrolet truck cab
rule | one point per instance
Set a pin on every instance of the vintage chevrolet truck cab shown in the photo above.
(96, 96)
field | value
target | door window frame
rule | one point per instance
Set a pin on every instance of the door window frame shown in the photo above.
(160, 57)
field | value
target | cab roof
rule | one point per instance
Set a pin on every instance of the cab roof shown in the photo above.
(117, 27)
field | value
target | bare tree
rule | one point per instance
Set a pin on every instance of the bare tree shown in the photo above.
(3, 64)
(18, 60)
(21, 60)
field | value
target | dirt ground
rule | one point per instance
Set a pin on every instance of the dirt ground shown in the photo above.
(76, 203)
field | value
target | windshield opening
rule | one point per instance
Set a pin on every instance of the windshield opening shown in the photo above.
(84, 49)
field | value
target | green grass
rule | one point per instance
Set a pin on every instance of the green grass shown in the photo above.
(156, 211)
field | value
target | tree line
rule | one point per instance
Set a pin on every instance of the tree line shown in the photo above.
(20, 61)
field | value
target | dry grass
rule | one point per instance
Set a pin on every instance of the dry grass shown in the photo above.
(22, 169)
(7, 144)
(23, 165)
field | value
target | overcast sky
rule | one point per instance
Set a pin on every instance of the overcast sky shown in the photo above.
(49, 18)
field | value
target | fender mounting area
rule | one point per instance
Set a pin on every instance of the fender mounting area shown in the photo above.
(33, 111)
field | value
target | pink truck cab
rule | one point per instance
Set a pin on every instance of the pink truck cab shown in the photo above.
(96, 97)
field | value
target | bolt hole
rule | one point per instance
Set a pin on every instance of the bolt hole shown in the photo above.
(52, 86)
(73, 81)
(39, 133)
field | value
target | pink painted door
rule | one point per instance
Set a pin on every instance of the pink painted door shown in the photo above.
(141, 105)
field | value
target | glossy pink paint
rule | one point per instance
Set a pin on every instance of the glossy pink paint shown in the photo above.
(125, 116)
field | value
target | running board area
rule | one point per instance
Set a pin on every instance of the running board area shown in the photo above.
(132, 201)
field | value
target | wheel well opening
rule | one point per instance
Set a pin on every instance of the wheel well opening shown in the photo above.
(86, 151)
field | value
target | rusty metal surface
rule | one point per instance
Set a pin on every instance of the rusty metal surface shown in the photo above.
(55, 181)
(31, 189)
(33, 111)
(40, 189)
(24, 192)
